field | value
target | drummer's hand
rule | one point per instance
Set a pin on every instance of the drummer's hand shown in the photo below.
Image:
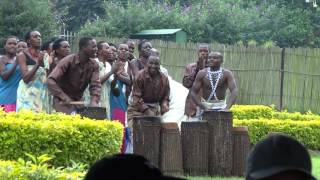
(66, 100)
(225, 110)
(94, 101)
(164, 108)
(148, 112)
(204, 107)
(94, 104)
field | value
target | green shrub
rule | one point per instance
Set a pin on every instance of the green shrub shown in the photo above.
(307, 132)
(37, 169)
(266, 112)
(68, 137)
(251, 111)
(295, 116)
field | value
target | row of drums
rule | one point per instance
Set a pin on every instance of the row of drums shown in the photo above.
(200, 148)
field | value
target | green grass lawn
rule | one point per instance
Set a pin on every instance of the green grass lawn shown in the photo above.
(315, 170)
(214, 178)
(316, 164)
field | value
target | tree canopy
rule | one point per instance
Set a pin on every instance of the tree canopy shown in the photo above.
(19, 17)
(284, 23)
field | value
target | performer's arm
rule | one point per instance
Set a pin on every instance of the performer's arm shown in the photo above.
(137, 94)
(5, 74)
(104, 78)
(95, 86)
(56, 76)
(165, 101)
(125, 78)
(133, 64)
(189, 77)
(197, 85)
(26, 74)
(233, 90)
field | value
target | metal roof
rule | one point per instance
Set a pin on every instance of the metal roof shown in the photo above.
(158, 31)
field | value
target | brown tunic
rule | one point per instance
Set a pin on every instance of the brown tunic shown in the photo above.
(150, 90)
(71, 78)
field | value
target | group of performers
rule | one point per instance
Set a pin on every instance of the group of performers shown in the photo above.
(46, 77)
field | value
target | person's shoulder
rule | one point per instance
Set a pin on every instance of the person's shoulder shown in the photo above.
(227, 72)
(191, 65)
(94, 62)
(68, 58)
(163, 74)
(134, 62)
(3, 60)
(66, 61)
(141, 73)
(94, 65)
(164, 70)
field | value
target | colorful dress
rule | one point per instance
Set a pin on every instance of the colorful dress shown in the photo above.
(34, 94)
(118, 104)
(8, 89)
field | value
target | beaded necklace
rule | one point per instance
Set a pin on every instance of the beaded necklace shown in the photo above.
(214, 77)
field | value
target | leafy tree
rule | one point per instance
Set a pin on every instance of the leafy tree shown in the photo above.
(286, 23)
(18, 17)
(75, 13)
(293, 29)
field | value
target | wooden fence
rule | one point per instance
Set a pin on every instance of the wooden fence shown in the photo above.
(258, 72)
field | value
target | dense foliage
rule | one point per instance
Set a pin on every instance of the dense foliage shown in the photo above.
(261, 120)
(307, 132)
(72, 14)
(69, 138)
(39, 168)
(265, 112)
(19, 17)
(284, 23)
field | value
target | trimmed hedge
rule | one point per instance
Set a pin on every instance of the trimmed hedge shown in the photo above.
(29, 115)
(69, 138)
(307, 132)
(262, 119)
(266, 112)
(295, 116)
(251, 111)
(12, 170)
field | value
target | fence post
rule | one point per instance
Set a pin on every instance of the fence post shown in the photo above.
(282, 77)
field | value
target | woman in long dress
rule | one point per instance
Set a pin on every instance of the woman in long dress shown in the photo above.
(32, 90)
(9, 75)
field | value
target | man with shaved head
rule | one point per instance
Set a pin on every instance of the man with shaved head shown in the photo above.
(212, 83)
